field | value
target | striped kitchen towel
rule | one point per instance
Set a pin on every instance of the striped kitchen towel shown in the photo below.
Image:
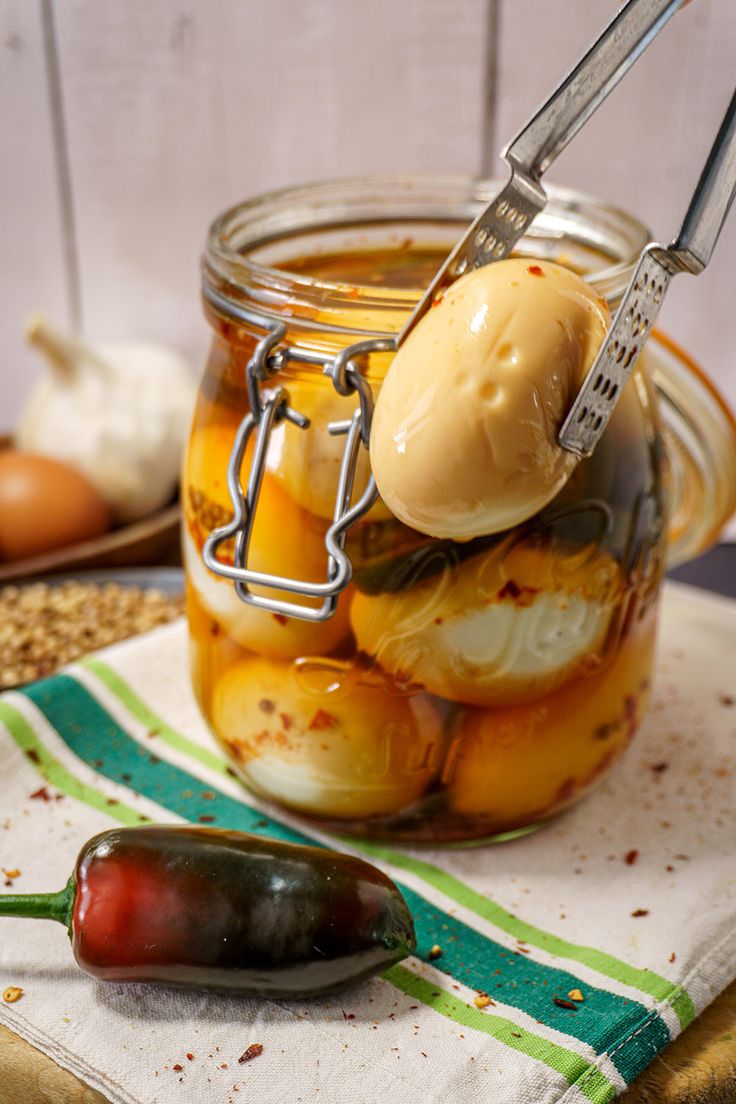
(626, 902)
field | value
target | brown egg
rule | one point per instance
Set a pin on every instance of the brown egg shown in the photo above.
(44, 505)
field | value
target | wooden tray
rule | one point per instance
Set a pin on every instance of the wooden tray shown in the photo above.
(152, 540)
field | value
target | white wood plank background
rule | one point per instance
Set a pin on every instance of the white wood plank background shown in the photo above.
(34, 261)
(175, 110)
(165, 111)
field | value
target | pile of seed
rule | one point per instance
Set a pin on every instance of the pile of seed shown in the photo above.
(43, 627)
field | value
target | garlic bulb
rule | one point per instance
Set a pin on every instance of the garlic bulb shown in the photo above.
(119, 413)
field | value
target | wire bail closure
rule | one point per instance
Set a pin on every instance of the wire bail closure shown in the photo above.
(269, 407)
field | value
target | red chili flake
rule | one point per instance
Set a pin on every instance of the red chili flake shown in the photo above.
(206, 819)
(437, 300)
(567, 790)
(603, 731)
(208, 795)
(252, 1052)
(659, 768)
(279, 618)
(286, 721)
(672, 957)
(177, 1068)
(562, 1003)
(640, 912)
(266, 705)
(535, 270)
(33, 755)
(322, 719)
(190, 1057)
(348, 1015)
(41, 794)
(631, 856)
(669, 868)
(438, 620)
(727, 700)
(14, 873)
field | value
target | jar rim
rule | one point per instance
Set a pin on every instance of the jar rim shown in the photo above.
(231, 264)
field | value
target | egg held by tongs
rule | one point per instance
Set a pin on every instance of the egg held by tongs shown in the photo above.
(464, 435)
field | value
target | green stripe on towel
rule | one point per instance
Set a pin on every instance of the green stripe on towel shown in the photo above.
(558, 1058)
(595, 1086)
(645, 981)
(467, 955)
(57, 775)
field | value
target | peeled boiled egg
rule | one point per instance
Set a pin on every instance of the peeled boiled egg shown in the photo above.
(351, 752)
(285, 541)
(504, 626)
(517, 764)
(44, 505)
(464, 437)
(307, 462)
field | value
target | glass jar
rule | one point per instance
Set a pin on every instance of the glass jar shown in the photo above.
(461, 691)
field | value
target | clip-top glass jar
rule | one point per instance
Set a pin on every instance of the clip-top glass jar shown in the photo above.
(462, 690)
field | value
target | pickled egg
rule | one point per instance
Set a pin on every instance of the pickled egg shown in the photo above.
(307, 462)
(285, 540)
(464, 436)
(347, 752)
(501, 627)
(45, 505)
(518, 764)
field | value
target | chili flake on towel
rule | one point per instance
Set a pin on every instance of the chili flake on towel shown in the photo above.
(253, 1051)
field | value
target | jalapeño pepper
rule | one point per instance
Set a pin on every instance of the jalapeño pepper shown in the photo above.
(222, 910)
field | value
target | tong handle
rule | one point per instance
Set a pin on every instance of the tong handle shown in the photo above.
(497, 229)
(585, 87)
(711, 200)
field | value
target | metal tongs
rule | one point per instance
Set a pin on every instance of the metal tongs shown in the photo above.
(498, 228)
(492, 236)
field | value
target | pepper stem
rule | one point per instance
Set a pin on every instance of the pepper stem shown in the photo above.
(41, 906)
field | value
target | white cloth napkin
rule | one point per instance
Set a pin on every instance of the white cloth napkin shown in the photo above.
(629, 898)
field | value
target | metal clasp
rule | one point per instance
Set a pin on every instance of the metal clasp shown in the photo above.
(269, 407)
